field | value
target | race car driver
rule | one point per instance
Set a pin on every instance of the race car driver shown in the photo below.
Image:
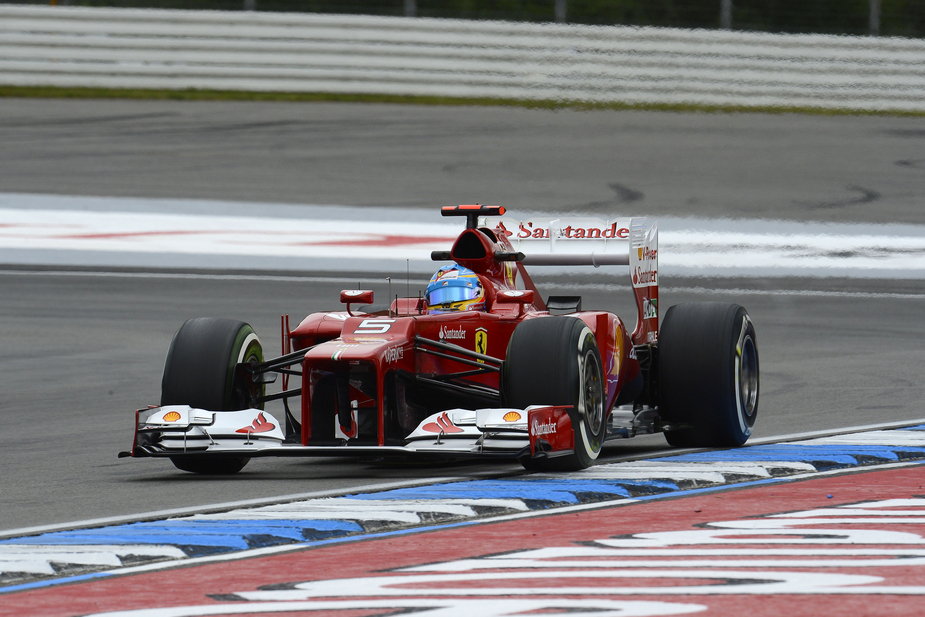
(454, 288)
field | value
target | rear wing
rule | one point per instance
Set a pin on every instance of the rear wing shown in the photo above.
(586, 241)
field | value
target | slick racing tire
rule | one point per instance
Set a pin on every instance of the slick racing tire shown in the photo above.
(708, 374)
(200, 371)
(555, 361)
(210, 465)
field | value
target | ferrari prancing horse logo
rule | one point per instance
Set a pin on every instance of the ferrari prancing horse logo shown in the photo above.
(481, 342)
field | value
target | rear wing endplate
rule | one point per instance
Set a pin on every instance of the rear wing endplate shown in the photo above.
(586, 241)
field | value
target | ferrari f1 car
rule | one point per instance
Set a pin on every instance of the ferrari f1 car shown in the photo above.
(479, 366)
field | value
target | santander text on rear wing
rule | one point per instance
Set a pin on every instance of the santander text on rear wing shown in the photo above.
(577, 241)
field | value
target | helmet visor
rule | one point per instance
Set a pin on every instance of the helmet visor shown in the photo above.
(451, 295)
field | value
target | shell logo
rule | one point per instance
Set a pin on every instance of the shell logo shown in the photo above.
(171, 416)
(511, 416)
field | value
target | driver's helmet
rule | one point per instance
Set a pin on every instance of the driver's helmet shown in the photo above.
(454, 288)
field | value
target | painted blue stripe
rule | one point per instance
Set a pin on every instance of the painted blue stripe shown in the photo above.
(205, 544)
(55, 581)
(539, 489)
(199, 537)
(920, 427)
(835, 454)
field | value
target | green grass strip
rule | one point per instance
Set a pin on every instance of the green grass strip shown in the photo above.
(316, 97)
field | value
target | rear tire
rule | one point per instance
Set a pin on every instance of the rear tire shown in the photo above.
(200, 371)
(708, 374)
(556, 361)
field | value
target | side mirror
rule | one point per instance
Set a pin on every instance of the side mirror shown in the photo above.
(515, 296)
(356, 296)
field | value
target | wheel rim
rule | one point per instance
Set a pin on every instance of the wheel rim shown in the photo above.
(591, 403)
(748, 377)
(244, 391)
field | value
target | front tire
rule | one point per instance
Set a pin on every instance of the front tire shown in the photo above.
(556, 361)
(708, 374)
(210, 465)
(201, 371)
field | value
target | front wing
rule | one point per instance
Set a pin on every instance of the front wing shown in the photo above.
(538, 431)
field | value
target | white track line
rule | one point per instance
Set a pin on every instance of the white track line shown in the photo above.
(282, 499)
(203, 276)
(351, 280)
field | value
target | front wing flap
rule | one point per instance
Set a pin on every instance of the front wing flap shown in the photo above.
(181, 429)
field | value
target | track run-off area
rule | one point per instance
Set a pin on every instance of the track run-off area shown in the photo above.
(95, 231)
(158, 212)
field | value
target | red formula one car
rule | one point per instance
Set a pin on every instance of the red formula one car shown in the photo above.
(480, 365)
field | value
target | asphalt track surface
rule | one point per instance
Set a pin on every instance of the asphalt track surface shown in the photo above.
(818, 168)
(82, 350)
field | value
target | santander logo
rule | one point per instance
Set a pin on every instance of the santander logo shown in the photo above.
(452, 333)
(645, 277)
(543, 428)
